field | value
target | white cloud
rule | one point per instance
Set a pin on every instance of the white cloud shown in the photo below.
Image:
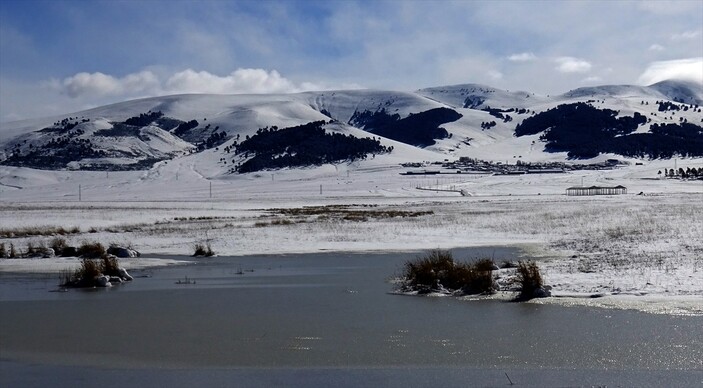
(686, 35)
(147, 83)
(495, 74)
(590, 80)
(522, 57)
(656, 47)
(239, 81)
(99, 84)
(474, 69)
(572, 65)
(690, 69)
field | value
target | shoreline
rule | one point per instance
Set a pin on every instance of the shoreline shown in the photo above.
(654, 303)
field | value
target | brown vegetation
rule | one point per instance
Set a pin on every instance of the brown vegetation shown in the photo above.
(348, 212)
(203, 250)
(38, 231)
(530, 280)
(437, 270)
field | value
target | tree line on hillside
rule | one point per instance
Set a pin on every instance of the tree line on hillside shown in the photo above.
(303, 145)
(419, 129)
(64, 125)
(665, 106)
(584, 131)
(55, 154)
(144, 119)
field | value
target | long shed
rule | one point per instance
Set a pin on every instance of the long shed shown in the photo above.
(596, 190)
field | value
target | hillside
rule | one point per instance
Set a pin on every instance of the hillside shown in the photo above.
(662, 121)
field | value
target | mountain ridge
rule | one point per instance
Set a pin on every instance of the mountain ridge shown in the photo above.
(483, 126)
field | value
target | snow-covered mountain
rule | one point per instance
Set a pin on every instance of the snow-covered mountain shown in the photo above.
(431, 124)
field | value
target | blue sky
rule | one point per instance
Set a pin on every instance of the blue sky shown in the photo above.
(58, 56)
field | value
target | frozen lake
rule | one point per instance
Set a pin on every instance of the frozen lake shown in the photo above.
(318, 319)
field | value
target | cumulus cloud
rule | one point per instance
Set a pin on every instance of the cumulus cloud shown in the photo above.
(592, 79)
(239, 81)
(186, 81)
(495, 74)
(656, 47)
(689, 69)
(99, 84)
(91, 84)
(686, 35)
(572, 65)
(522, 57)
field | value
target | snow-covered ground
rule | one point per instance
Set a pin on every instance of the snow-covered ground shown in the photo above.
(643, 251)
(638, 251)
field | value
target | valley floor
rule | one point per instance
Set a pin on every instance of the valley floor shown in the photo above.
(631, 251)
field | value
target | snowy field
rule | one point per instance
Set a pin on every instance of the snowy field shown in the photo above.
(633, 251)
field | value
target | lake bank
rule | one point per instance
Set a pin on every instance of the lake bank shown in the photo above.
(610, 245)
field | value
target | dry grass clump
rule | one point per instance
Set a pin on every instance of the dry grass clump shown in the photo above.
(90, 270)
(58, 244)
(84, 276)
(34, 250)
(12, 253)
(530, 280)
(274, 222)
(109, 266)
(437, 271)
(348, 212)
(203, 250)
(92, 250)
(38, 231)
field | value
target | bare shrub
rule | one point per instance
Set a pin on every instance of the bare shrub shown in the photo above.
(88, 271)
(37, 231)
(199, 249)
(30, 249)
(203, 250)
(109, 266)
(35, 249)
(484, 265)
(437, 270)
(58, 244)
(529, 279)
(3, 253)
(92, 250)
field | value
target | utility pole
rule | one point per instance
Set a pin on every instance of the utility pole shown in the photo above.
(210, 189)
(79, 193)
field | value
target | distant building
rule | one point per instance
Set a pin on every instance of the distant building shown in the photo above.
(596, 190)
